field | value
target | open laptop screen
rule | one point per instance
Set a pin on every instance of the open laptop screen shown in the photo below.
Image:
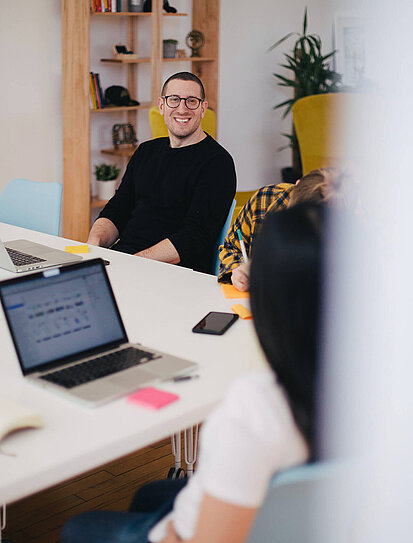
(62, 312)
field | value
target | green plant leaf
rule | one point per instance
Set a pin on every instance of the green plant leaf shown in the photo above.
(305, 21)
(279, 42)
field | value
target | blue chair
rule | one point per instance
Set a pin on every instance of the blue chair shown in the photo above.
(299, 506)
(223, 235)
(31, 204)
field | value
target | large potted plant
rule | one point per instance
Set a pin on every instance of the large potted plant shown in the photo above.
(311, 74)
(107, 178)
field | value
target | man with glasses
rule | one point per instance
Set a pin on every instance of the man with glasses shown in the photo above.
(176, 192)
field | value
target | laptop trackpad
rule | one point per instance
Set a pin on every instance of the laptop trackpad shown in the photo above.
(134, 377)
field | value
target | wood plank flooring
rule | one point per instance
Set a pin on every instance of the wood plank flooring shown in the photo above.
(39, 518)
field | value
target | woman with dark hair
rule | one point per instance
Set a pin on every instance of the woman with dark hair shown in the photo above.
(266, 422)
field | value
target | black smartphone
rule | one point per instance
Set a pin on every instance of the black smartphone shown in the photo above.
(215, 322)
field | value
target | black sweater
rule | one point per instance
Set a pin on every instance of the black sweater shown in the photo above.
(182, 194)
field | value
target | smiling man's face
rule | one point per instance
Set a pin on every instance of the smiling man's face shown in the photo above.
(183, 124)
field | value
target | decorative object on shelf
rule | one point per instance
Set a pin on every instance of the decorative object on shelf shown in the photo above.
(121, 52)
(107, 178)
(119, 96)
(195, 40)
(180, 53)
(311, 75)
(135, 5)
(169, 48)
(147, 6)
(123, 134)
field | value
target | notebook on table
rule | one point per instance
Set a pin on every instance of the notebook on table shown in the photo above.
(69, 335)
(22, 255)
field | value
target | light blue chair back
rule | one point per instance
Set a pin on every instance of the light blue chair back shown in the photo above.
(32, 204)
(296, 506)
(223, 235)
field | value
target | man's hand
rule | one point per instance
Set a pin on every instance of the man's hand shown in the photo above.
(103, 233)
(240, 277)
(171, 535)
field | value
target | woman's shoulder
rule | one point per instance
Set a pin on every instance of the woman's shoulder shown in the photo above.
(257, 401)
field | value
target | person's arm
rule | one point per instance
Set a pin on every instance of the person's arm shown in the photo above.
(212, 193)
(230, 254)
(219, 522)
(103, 233)
(119, 208)
(249, 221)
(164, 251)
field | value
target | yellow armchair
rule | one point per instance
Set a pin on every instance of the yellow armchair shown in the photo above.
(320, 122)
(159, 130)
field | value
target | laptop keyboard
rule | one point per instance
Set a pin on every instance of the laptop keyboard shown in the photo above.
(21, 259)
(99, 367)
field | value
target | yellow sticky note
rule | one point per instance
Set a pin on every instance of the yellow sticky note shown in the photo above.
(231, 292)
(242, 311)
(77, 248)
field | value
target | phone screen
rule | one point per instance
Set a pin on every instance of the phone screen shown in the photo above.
(215, 323)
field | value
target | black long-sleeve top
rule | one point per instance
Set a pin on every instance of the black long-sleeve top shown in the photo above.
(182, 194)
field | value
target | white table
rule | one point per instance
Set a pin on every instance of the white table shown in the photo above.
(160, 304)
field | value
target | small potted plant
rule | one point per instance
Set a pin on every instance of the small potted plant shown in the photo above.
(169, 48)
(107, 177)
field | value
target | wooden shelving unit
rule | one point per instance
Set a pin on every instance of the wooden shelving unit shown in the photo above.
(76, 112)
(123, 152)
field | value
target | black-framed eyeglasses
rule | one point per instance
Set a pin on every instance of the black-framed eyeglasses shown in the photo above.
(174, 101)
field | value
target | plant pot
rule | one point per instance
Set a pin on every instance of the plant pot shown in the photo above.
(169, 50)
(135, 5)
(106, 189)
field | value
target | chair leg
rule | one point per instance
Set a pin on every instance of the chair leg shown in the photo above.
(191, 449)
(3, 522)
(176, 472)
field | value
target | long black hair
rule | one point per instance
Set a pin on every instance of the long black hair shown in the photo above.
(285, 289)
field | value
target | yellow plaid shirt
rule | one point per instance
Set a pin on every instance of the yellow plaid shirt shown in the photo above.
(270, 197)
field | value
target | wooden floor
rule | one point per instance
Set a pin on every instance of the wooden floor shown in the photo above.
(39, 519)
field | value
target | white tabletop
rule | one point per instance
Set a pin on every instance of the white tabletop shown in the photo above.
(159, 304)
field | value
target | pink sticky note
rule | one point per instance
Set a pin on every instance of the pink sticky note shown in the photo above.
(152, 398)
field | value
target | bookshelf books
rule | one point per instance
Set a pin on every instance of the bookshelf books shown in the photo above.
(96, 94)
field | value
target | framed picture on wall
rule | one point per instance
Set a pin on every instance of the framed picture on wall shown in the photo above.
(350, 44)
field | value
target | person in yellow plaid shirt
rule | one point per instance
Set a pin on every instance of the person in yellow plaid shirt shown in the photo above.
(248, 221)
(318, 185)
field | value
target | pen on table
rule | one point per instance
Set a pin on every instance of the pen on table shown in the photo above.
(180, 378)
(241, 242)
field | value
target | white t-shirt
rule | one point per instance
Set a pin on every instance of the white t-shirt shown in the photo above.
(250, 436)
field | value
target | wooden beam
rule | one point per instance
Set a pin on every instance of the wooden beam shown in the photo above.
(75, 119)
(157, 53)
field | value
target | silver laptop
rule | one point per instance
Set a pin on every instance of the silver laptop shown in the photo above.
(69, 335)
(22, 255)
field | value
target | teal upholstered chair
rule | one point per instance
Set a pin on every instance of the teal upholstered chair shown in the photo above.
(223, 235)
(32, 204)
(300, 506)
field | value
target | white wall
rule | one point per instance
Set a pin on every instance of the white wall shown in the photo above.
(30, 103)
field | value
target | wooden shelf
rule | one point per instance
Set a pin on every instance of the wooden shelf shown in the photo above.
(121, 14)
(126, 60)
(142, 60)
(109, 109)
(134, 14)
(123, 152)
(95, 202)
(190, 59)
